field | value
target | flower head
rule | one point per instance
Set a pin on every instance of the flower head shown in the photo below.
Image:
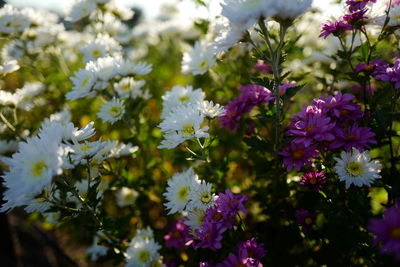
(305, 218)
(353, 136)
(314, 180)
(387, 231)
(296, 155)
(178, 236)
(357, 168)
(336, 28)
(112, 111)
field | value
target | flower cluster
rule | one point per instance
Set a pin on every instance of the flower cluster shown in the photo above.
(251, 96)
(328, 123)
(381, 71)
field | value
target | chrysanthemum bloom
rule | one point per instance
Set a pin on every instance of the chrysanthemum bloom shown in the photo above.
(199, 60)
(340, 107)
(353, 136)
(357, 19)
(230, 204)
(112, 111)
(336, 28)
(251, 252)
(393, 74)
(178, 236)
(380, 72)
(296, 155)
(376, 67)
(355, 5)
(262, 68)
(314, 128)
(251, 96)
(305, 218)
(357, 168)
(387, 231)
(314, 180)
(209, 236)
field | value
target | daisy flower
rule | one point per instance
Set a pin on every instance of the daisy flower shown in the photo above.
(80, 9)
(183, 123)
(128, 67)
(128, 87)
(179, 95)
(142, 253)
(9, 67)
(112, 111)
(194, 219)
(200, 196)
(178, 190)
(198, 60)
(209, 110)
(83, 82)
(126, 196)
(357, 168)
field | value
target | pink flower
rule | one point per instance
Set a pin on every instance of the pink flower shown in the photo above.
(336, 28)
(178, 236)
(305, 218)
(314, 180)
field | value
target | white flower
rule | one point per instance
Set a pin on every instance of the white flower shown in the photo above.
(32, 168)
(25, 95)
(178, 190)
(126, 196)
(105, 68)
(83, 82)
(39, 204)
(128, 87)
(12, 23)
(142, 253)
(179, 95)
(80, 9)
(112, 111)
(128, 67)
(183, 123)
(198, 60)
(9, 67)
(208, 109)
(394, 16)
(200, 196)
(194, 219)
(143, 235)
(291, 9)
(244, 13)
(85, 150)
(102, 46)
(357, 168)
(96, 250)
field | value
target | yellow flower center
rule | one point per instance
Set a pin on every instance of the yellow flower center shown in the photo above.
(184, 98)
(308, 220)
(395, 233)
(313, 181)
(205, 198)
(115, 111)
(298, 154)
(183, 193)
(187, 130)
(309, 128)
(354, 168)
(96, 53)
(144, 256)
(369, 67)
(38, 168)
(203, 65)
(86, 147)
(84, 82)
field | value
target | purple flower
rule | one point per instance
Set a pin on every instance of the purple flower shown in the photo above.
(283, 87)
(209, 236)
(296, 155)
(250, 252)
(393, 74)
(381, 70)
(387, 231)
(229, 204)
(251, 96)
(353, 136)
(178, 236)
(314, 127)
(355, 5)
(314, 180)
(340, 107)
(357, 18)
(231, 260)
(305, 218)
(359, 90)
(205, 264)
(336, 28)
(262, 68)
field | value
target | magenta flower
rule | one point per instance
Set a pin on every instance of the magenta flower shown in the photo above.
(229, 204)
(353, 136)
(387, 231)
(231, 260)
(355, 5)
(357, 18)
(250, 252)
(210, 236)
(393, 74)
(306, 219)
(296, 155)
(251, 96)
(283, 87)
(262, 68)
(313, 180)
(178, 236)
(336, 28)
(340, 107)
